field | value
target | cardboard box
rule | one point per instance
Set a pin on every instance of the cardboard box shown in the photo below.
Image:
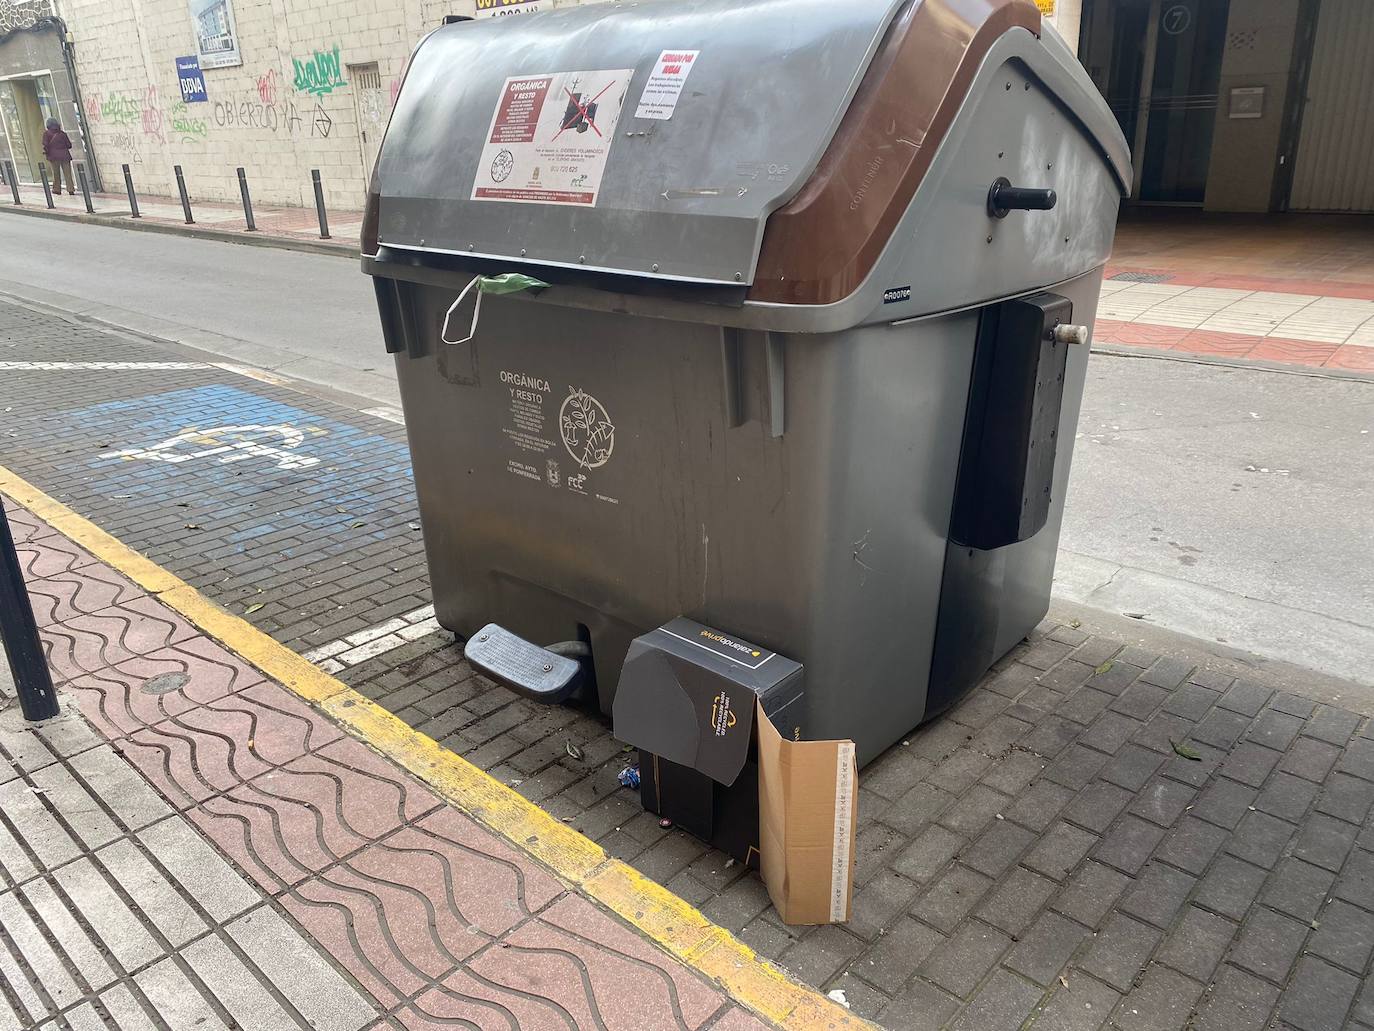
(717, 722)
(808, 815)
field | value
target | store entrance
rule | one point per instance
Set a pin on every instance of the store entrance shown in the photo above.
(26, 103)
(1158, 62)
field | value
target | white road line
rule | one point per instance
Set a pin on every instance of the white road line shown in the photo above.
(104, 366)
(389, 414)
(377, 640)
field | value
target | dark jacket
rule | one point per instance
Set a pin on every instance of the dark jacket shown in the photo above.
(57, 145)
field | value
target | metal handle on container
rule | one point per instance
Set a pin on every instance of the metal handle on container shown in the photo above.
(1004, 197)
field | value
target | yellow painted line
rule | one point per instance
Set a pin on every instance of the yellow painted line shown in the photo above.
(676, 927)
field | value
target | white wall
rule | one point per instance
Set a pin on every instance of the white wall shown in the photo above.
(255, 116)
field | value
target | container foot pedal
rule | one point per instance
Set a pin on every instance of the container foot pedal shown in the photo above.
(521, 665)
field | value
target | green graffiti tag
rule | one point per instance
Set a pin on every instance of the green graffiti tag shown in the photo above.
(318, 74)
(188, 128)
(121, 109)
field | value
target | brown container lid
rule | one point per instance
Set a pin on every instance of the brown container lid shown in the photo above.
(821, 245)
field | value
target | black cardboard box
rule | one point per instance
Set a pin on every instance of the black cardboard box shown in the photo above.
(687, 699)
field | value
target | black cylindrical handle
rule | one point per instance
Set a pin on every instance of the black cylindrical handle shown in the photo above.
(1004, 197)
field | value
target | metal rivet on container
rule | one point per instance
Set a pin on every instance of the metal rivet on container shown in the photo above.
(483, 637)
(989, 238)
(1008, 85)
(548, 668)
(522, 252)
(1028, 87)
(469, 246)
(655, 267)
(739, 276)
(582, 258)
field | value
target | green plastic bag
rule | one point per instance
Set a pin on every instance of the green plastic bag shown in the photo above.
(506, 283)
(510, 283)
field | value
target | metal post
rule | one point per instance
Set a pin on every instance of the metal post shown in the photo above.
(19, 632)
(185, 200)
(13, 181)
(47, 190)
(319, 203)
(129, 186)
(247, 202)
(85, 186)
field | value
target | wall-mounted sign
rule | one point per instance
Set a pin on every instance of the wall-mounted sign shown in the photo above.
(1046, 7)
(1247, 102)
(497, 8)
(217, 40)
(191, 81)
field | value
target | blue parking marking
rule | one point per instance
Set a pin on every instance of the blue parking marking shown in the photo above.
(264, 465)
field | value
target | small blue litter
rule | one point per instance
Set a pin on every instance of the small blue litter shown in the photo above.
(629, 777)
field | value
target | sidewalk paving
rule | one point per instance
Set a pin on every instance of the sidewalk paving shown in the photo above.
(352, 897)
(275, 223)
(1042, 852)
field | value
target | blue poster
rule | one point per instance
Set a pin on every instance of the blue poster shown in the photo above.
(191, 80)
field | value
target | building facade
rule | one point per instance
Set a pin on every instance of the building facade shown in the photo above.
(1229, 105)
(278, 87)
(1246, 105)
(37, 82)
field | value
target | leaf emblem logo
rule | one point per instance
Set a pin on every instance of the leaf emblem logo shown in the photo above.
(587, 431)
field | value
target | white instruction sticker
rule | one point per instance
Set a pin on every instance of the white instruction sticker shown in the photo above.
(842, 870)
(659, 99)
(550, 136)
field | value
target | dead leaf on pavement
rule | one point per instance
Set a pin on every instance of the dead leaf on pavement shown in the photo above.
(1185, 751)
(1106, 667)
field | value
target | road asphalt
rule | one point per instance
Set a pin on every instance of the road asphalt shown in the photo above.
(1225, 502)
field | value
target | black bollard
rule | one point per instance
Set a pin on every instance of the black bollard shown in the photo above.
(319, 203)
(247, 202)
(185, 199)
(85, 186)
(129, 186)
(47, 190)
(13, 181)
(19, 632)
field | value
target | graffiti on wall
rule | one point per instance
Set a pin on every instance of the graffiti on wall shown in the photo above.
(319, 74)
(267, 87)
(321, 124)
(119, 108)
(151, 116)
(249, 111)
(128, 145)
(187, 128)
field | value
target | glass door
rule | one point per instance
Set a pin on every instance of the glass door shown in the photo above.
(24, 165)
(25, 106)
(1182, 100)
(1158, 62)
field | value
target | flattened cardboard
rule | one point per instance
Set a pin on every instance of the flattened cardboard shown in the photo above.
(808, 815)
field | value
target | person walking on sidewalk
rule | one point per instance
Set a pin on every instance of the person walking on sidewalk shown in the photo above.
(57, 148)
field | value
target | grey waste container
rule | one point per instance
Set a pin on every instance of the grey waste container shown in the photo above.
(810, 359)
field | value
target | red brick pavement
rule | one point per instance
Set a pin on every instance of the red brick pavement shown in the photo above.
(440, 921)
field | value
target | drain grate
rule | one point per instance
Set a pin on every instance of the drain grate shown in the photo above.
(1143, 277)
